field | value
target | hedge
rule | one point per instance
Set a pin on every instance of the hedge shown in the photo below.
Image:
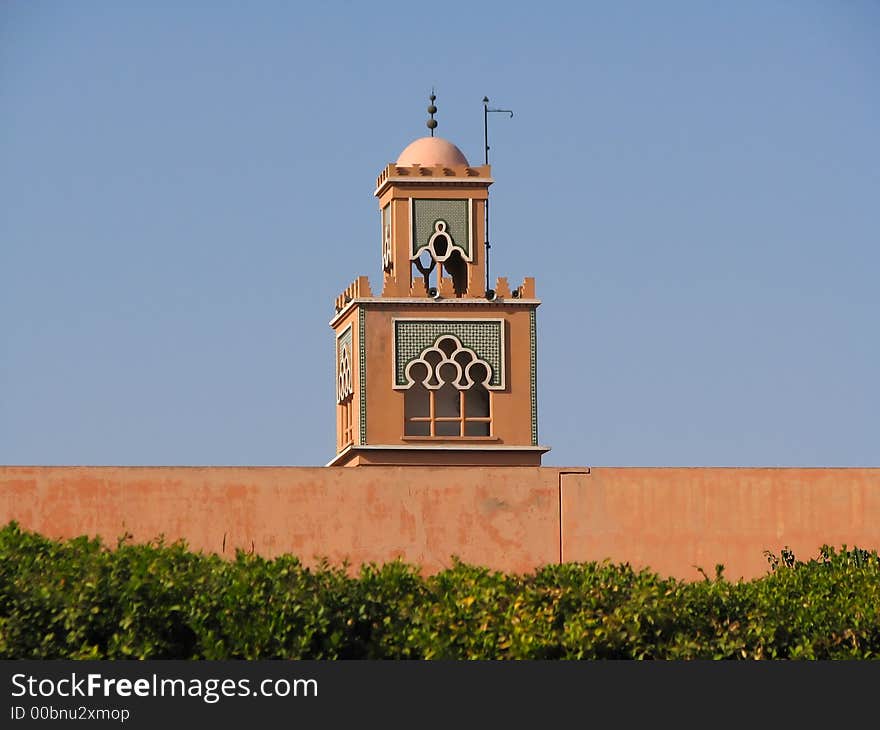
(80, 599)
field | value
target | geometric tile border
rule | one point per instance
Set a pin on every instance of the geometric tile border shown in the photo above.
(362, 372)
(533, 374)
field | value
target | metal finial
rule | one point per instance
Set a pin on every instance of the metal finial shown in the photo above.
(432, 110)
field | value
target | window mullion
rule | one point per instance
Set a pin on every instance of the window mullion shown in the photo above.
(461, 412)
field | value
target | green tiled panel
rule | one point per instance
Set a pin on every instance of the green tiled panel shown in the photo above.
(412, 337)
(454, 212)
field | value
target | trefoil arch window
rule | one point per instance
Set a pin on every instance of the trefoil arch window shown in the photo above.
(440, 249)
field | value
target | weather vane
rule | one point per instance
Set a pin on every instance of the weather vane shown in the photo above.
(486, 112)
(432, 110)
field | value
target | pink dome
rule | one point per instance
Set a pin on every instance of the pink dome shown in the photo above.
(429, 151)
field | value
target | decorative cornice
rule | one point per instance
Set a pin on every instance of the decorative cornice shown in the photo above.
(433, 175)
(458, 302)
(438, 447)
(435, 182)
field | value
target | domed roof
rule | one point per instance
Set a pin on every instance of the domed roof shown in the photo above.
(430, 151)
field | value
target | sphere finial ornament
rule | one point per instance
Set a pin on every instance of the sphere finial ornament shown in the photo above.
(432, 110)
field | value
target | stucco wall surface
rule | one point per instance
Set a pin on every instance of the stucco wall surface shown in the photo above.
(503, 517)
(672, 520)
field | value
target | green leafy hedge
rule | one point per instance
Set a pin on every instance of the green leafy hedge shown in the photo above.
(80, 599)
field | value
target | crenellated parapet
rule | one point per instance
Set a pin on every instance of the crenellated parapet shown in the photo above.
(358, 289)
(526, 290)
(413, 174)
(446, 291)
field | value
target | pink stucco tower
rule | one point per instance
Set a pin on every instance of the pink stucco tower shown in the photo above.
(437, 369)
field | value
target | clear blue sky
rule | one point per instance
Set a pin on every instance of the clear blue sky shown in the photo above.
(186, 186)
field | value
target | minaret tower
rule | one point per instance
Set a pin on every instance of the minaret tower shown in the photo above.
(437, 370)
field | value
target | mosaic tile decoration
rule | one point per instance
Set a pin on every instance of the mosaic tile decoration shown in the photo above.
(386, 238)
(343, 365)
(533, 374)
(455, 212)
(362, 374)
(343, 341)
(484, 337)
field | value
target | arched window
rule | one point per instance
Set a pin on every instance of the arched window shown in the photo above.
(477, 409)
(344, 394)
(417, 408)
(456, 267)
(426, 264)
(440, 249)
(447, 395)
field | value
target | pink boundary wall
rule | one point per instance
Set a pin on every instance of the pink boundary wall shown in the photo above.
(671, 520)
